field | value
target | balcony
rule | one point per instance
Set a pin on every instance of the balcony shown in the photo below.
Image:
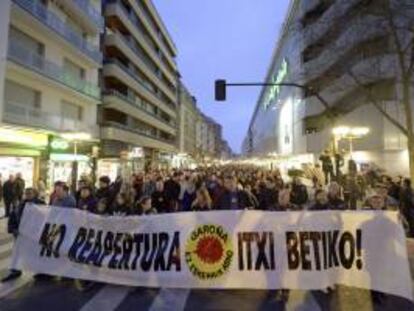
(137, 103)
(90, 18)
(137, 56)
(170, 108)
(20, 114)
(119, 132)
(52, 21)
(138, 27)
(26, 58)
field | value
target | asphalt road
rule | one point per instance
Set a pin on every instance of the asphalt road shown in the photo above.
(27, 293)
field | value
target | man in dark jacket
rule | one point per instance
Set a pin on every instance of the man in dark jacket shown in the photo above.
(172, 189)
(159, 200)
(9, 194)
(30, 197)
(104, 191)
(233, 198)
(19, 186)
(299, 193)
(268, 195)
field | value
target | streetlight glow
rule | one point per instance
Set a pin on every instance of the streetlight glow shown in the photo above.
(76, 136)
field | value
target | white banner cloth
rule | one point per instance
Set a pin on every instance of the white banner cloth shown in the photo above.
(219, 249)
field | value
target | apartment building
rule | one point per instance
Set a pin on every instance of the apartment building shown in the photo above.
(49, 63)
(324, 45)
(139, 114)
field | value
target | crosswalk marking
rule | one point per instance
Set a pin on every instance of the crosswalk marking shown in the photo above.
(108, 298)
(170, 299)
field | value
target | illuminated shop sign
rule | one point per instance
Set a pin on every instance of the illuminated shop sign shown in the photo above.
(59, 144)
(279, 76)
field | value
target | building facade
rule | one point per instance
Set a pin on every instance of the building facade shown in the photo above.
(50, 59)
(139, 114)
(343, 65)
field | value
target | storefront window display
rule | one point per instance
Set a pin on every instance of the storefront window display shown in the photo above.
(14, 165)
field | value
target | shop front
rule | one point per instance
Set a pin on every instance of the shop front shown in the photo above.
(21, 152)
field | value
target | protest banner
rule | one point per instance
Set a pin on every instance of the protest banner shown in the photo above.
(219, 249)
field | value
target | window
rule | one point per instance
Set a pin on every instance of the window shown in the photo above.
(26, 42)
(71, 111)
(19, 95)
(73, 69)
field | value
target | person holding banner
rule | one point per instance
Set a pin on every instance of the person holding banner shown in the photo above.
(62, 196)
(234, 198)
(30, 197)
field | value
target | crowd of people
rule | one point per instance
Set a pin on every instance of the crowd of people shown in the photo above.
(217, 188)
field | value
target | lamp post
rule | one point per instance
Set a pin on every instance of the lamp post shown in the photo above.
(75, 138)
(349, 133)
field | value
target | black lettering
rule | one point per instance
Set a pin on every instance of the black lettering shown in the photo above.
(116, 251)
(159, 263)
(272, 251)
(126, 252)
(77, 243)
(96, 251)
(174, 257)
(261, 259)
(138, 238)
(248, 238)
(347, 261)
(240, 250)
(86, 247)
(333, 258)
(149, 251)
(292, 250)
(107, 247)
(316, 237)
(305, 251)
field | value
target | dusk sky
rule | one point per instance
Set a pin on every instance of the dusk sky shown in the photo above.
(230, 39)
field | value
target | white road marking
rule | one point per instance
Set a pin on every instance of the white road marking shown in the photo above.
(170, 299)
(108, 298)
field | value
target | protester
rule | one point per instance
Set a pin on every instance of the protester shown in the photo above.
(144, 207)
(284, 203)
(321, 201)
(188, 189)
(62, 196)
(104, 190)
(203, 201)
(19, 186)
(327, 166)
(86, 201)
(334, 197)
(299, 194)
(158, 197)
(172, 190)
(9, 195)
(234, 198)
(267, 195)
(122, 204)
(30, 197)
(407, 204)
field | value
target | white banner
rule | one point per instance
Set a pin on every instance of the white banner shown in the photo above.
(219, 249)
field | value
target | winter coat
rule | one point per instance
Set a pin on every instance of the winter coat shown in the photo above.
(17, 213)
(9, 194)
(243, 200)
(299, 194)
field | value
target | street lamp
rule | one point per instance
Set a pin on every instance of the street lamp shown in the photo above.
(75, 138)
(350, 133)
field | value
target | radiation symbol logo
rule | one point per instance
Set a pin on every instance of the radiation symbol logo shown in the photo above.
(208, 252)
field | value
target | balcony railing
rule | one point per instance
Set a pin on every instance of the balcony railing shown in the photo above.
(137, 103)
(133, 19)
(21, 55)
(139, 80)
(18, 113)
(52, 21)
(152, 67)
(85, 6)
(138, 131)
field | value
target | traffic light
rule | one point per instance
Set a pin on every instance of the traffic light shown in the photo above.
(220, 90)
